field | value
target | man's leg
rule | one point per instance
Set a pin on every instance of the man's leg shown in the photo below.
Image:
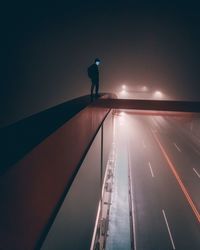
(92, 89)
(97, 90)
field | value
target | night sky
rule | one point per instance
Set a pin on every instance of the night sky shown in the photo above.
(46, 49)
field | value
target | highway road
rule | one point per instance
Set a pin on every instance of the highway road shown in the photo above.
(164, 168)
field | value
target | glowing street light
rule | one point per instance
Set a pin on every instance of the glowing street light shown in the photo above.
(144, 88)
(123, 86)
(123, 92)
(158, 94)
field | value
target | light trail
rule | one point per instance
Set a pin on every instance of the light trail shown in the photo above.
(182, 186)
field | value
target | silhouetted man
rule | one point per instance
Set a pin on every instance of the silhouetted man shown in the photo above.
(93, 73)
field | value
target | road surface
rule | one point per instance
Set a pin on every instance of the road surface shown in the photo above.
(164, 167)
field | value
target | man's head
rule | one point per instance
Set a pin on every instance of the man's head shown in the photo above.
(97, 61)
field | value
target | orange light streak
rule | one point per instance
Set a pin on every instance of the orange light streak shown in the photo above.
(183, 188)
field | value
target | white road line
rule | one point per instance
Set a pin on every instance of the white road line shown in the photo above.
(170, 235)
(152, 174)
(196, 172)
(143, 144)
(177, 147)
(132, 204)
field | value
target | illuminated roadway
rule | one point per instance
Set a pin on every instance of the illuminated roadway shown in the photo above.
(165, 182)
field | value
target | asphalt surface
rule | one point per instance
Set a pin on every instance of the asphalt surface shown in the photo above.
(164, 167)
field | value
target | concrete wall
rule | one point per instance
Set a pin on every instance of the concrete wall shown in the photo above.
(34, 188)
(74, 224)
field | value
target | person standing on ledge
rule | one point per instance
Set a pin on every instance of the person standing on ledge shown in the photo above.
(93, 73)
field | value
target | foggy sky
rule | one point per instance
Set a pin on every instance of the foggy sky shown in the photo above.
(46, 49)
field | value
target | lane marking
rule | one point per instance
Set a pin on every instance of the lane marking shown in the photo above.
(183, 188)
(196, 172)
(132, 203)
(170, 235)
(177, 147)
(152, 174)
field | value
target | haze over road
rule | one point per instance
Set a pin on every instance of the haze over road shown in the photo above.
(164, 166)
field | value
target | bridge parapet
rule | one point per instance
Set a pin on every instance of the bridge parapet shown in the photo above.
(33, 189)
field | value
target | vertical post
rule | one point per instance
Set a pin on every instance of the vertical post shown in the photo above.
(101, 157)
